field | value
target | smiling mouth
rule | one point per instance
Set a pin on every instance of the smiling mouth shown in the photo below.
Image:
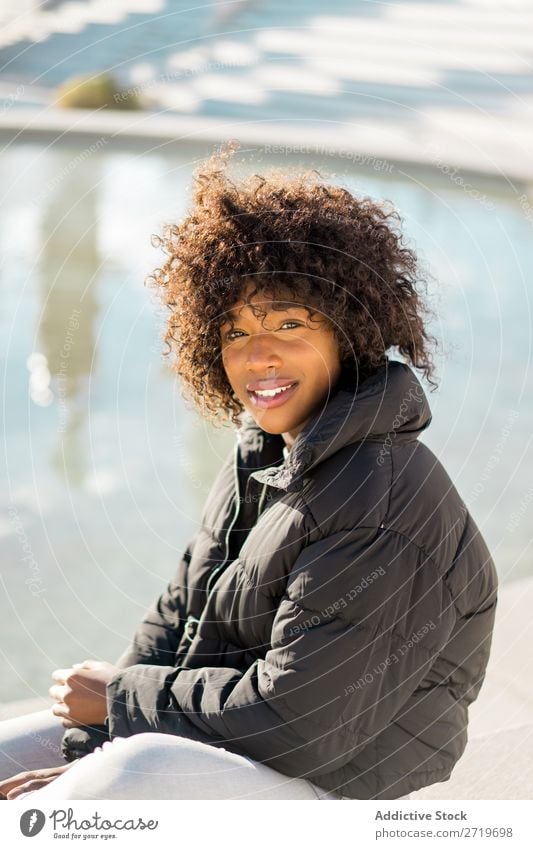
(267, 398)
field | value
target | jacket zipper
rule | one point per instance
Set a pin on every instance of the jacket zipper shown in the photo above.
(192, 622)
(262, 499)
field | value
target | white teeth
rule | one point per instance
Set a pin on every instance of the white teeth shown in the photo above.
(270, 392)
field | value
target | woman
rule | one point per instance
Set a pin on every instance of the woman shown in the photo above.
(330, 623)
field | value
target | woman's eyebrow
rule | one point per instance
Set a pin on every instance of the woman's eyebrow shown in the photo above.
(282, 306)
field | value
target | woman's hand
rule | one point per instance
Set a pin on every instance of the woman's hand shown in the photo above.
(80, 692)
(26, 782)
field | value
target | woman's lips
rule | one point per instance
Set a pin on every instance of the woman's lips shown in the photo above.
(265, 402)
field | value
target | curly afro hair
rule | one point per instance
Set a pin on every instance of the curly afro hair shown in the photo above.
(297, 238)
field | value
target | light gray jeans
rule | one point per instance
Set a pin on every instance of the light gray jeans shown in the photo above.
(145, 766)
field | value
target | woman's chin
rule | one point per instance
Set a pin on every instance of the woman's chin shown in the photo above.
(270, 423)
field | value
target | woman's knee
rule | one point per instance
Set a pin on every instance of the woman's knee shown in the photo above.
(32, 741)
(160, 766)
(125, 755)
(142, 766)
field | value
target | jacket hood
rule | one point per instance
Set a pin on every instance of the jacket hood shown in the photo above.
(389, 406)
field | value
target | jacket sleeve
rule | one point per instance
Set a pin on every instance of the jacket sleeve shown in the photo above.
(358, 628)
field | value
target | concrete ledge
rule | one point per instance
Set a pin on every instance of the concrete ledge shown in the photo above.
(498, 759)
(8, 710)
(497, 766)
(477, 145)
(506, 698)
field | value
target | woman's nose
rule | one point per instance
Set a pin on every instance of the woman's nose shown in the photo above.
(262, 351)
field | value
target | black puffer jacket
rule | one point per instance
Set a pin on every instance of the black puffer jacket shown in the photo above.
(333, 615)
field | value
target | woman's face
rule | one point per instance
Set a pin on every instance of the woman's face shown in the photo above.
(263, 354)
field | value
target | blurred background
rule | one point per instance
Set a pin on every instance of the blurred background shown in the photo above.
(106, 108)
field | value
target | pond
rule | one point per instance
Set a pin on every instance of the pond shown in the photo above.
(106, 467)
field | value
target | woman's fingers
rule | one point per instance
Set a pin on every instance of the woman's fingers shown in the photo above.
(16, 780)
(18, 790)
(10, 788)
(61, 709)
(71, 723)
(7, 785)
(63, 712)
(82, 698)
(29, 786)
(60, 675)
(58, 692)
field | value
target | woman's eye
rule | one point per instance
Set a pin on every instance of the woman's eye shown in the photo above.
(230, 333)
